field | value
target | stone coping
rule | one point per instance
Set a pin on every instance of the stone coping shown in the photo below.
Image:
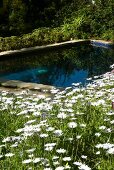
(36, 48)
(15, 86)
(101, 43)
(25, 85)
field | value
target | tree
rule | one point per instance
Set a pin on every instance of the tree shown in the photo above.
(17, 12)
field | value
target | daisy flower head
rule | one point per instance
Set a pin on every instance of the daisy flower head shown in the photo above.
(62, 116)
(67, 159)
(9, 154)
(36, 160)
(58, 132)
(59, 168)
(84, 157)
(110, 150)
(27, 161)
(61, 150)
(72, 125)
(43, 135)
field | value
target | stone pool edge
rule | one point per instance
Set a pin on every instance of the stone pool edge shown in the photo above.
(17, 86)
(101, 43)
(50, 46)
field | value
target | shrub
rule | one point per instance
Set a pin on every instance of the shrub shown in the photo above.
(108, 35)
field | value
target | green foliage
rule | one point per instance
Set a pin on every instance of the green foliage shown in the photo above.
(16, 17)
(58, 21)
(108, 35)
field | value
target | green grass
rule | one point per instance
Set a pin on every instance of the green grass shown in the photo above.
(75, 120)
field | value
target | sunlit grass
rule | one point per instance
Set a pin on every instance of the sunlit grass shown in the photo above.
(72, 130)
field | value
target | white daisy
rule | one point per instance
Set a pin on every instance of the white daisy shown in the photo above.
(58, 132)
(72, 125)
(60, 150)
(27, 161)
(9, 154)
(43, 135)
(60, 168)
(66, 159)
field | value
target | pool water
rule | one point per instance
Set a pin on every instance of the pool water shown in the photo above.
(58, 67)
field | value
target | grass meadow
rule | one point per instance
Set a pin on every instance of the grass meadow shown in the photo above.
(72, 130)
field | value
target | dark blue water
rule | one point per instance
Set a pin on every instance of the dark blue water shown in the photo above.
(58, 67)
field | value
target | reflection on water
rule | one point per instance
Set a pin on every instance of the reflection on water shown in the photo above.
(59, 67)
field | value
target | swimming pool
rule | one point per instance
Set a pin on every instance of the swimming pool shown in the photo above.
(58, 67)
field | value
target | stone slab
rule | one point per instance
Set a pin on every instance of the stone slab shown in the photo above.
(17, 87)
(24, 91)
(24, 85)
(10, 83)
